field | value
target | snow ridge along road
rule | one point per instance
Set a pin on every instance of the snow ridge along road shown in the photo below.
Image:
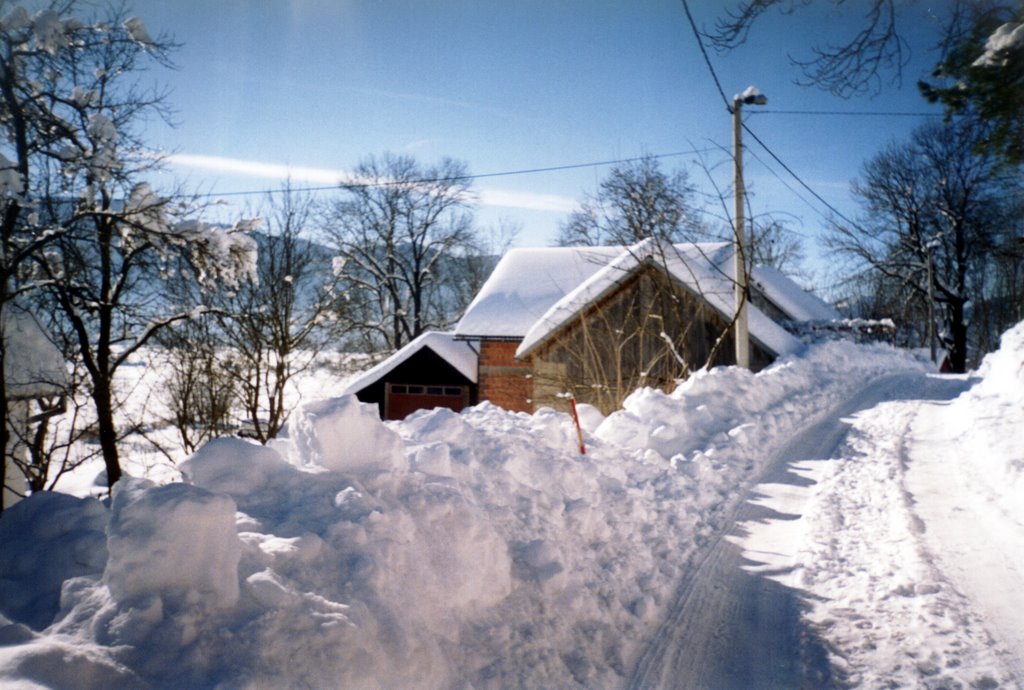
(481, 550)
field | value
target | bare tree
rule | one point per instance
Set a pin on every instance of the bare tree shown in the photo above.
(936, 211)
(466, 273)
(772, 243)
(274, 327)
(85, 227)
(636, 201)
(200, 388)
(393, 230)
(875, 53)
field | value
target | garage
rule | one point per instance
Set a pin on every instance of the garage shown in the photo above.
(434, 370)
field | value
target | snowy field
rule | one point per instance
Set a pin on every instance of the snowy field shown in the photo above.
(481, 550)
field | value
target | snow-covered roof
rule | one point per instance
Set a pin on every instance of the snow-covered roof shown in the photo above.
(33, 366)
(457, 353)
(705, 269)
(796, 302)
(524, 285)
(527, 283)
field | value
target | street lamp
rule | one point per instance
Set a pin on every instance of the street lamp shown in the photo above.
(751, 96)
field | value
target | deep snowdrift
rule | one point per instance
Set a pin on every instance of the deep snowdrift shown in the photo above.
(450, 550)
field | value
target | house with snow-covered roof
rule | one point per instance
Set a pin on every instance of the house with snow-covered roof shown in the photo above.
(595, 323)
(35, 379)
(433, 370)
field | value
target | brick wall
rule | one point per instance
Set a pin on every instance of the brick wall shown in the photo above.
(503, 380)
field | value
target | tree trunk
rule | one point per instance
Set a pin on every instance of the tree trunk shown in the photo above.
(958, 349)
(4, 429)
(107, 431)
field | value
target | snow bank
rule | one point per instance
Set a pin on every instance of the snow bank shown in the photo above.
(990, 418)
(1002, 372)
(47, 538)
(174, 541)
(345, 435)
(448, 550)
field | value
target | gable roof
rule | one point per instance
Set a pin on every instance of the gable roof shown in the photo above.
(528, 283)
(459, 354)
(524, 284)
(797, 303)
(703, 269)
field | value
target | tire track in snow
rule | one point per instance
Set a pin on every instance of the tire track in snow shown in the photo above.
(728, 628)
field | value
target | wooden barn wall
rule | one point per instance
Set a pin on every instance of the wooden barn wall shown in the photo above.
(617, 345)
(770, 309)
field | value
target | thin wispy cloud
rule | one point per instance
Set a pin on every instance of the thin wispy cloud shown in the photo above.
(529, 201)
(237, 166)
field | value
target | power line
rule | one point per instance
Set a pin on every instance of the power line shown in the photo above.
(797, 177)
(852, 113)
(704, 52)
(461, 178)
(792, 191)
(729, 107)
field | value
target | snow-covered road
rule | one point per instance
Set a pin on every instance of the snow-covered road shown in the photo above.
(873, 553)
(731, 628)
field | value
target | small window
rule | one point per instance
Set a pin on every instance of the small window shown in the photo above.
(453, 391)
(435, 390)
(415, 390)
(399, 389)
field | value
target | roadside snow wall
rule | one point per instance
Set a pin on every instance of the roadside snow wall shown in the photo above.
(448, 550)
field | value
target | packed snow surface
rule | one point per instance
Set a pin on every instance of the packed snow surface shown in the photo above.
(482, 550)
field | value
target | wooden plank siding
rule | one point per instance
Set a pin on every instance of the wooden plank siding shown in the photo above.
(619, 344)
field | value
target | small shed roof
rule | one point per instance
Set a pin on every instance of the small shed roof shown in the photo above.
(459, 354)
(33, 366)
(705, 269)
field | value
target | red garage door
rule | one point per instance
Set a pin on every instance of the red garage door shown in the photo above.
(401, 399)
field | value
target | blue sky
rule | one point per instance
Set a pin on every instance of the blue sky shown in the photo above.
(312, 86)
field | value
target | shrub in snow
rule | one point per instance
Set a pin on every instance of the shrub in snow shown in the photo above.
(345, 435)
(177, 541)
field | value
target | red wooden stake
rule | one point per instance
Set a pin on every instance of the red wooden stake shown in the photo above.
(579, 429)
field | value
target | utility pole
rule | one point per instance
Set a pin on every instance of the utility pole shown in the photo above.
(931, 305)
(751, 96)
